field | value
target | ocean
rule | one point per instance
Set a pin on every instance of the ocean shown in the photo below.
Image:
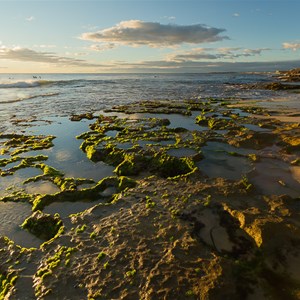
(43, 95)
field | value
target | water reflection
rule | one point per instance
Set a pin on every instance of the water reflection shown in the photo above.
(41, 187)
(218, 162)
(12, 215)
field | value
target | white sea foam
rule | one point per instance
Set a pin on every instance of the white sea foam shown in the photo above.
(23, 84)
(23, 98)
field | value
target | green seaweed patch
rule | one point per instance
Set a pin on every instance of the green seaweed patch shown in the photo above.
(87, 194)
(170, 166)
(61, 255)
(7, 282)
(25, 162)
(108, 153)
(18, 196)
(71, 183)
(154, 106)
(131, 165)
(215, 123)
(18, 143)
(44, 226)
(49, 171)
(88, 116)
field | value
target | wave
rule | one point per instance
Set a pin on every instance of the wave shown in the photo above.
(28, 97)
(60, 83)
(24, 84)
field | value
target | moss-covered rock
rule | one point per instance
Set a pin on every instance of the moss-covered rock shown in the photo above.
(44, 226)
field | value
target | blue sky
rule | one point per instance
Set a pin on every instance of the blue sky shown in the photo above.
(149, 36)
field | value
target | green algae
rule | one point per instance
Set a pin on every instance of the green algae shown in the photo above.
(25, 162)
(77, 118)
(61, 256)
(18, 196)
(7, 282)
(17, 143)
(88, 194)
(169, 166)
(49, 171)
(43, 225)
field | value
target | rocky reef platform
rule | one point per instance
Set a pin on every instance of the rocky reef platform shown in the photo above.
(202, 202)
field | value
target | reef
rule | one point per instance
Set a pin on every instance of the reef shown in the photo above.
(206, 209)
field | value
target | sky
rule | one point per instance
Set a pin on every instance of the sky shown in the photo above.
(105, 36)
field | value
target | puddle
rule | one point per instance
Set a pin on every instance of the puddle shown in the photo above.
(255, 128)
(124, 146)
(146, 143)
(108, 191)
(112, 133)
(67, 208)
(218, 163)
(275, 177)
(66, 156)
(41, 187)
(15, 181)
(213, 234)
(182, 152)
(12, 215)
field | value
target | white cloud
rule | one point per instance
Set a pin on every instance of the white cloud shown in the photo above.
(236, 15)
(293, 46)
(170, 18)
(44, 46)
(28, 55)
(154, 34)
(30, 19)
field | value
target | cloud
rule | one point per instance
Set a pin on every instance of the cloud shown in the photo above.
(28, 55)
(293, 46)
(44, 46)
(170, 18)
(30, 19)
(236, 15)
(207, 66)
(214, 53)
(154, 34)
(102, 47)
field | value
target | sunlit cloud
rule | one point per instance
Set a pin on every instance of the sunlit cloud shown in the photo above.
(205, 66)
(28, 55)
(102, 47)
(214, 53)
(292, 46)
(154, 34)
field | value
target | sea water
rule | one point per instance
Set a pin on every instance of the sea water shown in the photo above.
(24, 96)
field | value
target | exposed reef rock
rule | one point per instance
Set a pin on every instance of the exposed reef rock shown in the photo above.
(205, 208)
(289, 76)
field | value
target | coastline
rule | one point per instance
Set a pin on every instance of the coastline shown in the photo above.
(202, 203)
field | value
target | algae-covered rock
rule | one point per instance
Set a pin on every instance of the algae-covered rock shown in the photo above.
(88, 194)
(44, 226)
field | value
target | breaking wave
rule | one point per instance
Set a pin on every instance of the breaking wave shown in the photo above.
(27, 98)
(24, 84)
